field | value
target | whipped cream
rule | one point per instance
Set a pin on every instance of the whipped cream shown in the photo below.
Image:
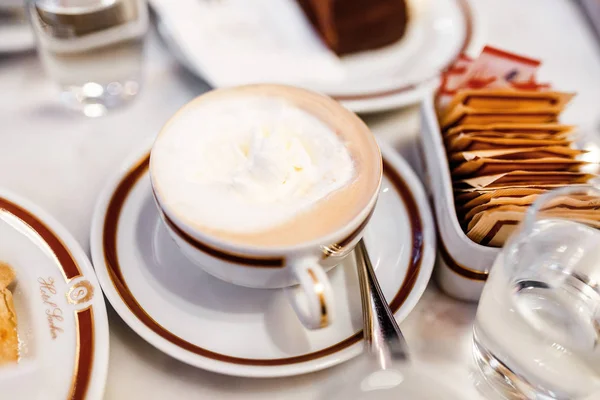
(247, 164)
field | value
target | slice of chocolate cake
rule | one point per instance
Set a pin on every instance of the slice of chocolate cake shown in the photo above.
(350, 26)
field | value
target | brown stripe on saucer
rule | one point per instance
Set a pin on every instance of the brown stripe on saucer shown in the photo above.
(114, 270)
(416, 227)
(465, 9)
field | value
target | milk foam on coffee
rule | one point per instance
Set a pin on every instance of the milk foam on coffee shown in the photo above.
(264, 165)
(256, 163)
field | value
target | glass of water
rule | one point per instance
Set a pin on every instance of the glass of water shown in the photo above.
(537, 329)
(93, 49)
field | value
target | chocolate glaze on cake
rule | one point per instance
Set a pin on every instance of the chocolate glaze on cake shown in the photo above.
(350, 26)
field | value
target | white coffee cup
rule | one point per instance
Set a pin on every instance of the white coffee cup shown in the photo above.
(304, 263)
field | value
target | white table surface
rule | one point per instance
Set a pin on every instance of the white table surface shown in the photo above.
(61, 161)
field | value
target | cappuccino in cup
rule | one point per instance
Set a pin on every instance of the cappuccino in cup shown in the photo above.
(263, 166)
(258, 183)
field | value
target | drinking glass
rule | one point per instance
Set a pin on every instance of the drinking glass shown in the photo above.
(537, 329)
(93, 49)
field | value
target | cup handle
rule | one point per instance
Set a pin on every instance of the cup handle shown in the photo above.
(312, 299)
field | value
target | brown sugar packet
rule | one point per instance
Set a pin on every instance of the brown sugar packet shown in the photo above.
(579, 202)
(9, 342)
(493, 227)
(467, 194)
(491, 166)
(565, 207)
(465, 213)
(517, 153)
(472, 142)
(496, 137)
(509, 99)
(541, 180)
(513, 130)
(462, 115)
(466, 201)
(497, 202)
(486, 213)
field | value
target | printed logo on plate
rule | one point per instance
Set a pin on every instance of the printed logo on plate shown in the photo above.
(81, 292)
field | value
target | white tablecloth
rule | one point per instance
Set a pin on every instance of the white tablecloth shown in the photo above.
(61, 161)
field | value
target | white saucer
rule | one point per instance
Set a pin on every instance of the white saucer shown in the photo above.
(395, 76)
(220, 327)
(61, 315)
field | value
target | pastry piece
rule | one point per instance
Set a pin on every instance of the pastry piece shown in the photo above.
(9, 342)
(7, 275)
(350, 26)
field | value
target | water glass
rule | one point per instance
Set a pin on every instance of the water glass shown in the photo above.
(537, 328)
(93, 49)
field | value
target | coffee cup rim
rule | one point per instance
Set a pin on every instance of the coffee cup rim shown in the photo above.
(219, 244)
(182, 229)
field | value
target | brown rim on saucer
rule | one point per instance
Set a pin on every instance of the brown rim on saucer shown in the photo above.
(465, 9)
(84, 320)
(109, 241)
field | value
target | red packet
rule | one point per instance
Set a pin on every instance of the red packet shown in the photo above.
(450, 78)
(530, 85)
(460, 66)
(495, 68)
(455, 74)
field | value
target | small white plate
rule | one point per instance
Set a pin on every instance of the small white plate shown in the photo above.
(224, 328)
(62, 323)
(443, 30)
(398, 75)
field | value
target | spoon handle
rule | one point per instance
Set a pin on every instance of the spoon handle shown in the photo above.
(382, 334)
